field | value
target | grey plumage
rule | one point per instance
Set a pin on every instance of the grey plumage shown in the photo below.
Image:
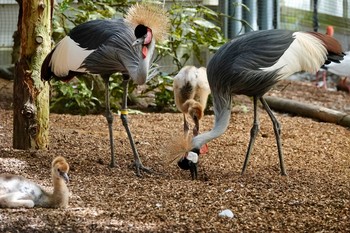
(251, 64)
(115, 54)
(105, 47)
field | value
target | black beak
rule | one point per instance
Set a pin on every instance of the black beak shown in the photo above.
(138, 41)
(186, 164)
(64, 176)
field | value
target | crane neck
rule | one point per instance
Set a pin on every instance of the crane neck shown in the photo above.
(222, 120)
(60, 191)
(141, 73)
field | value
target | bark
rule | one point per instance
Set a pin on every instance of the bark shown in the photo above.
(31, 95)
(308, 110)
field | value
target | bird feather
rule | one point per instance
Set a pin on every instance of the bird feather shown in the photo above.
(152, 16)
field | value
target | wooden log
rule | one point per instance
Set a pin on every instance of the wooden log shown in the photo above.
(308, 110)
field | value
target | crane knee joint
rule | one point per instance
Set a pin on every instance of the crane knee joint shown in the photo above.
(124, 118)
(109, 118)
(254, 130)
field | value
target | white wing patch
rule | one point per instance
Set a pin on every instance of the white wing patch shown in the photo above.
(68, 56)
(306, 53)
(342, 68)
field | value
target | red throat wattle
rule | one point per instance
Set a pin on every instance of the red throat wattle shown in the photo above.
(144, 51)
(147, 41)
(204, 149)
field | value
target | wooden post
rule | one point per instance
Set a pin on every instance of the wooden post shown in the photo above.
(31, 95)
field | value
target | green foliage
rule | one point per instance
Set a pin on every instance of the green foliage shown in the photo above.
(68, 14)
(117, 92)
(193, 29)
(74, 97)
(161, 87)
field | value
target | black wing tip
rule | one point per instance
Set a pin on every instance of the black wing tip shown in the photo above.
(46, 72)
(335, 58)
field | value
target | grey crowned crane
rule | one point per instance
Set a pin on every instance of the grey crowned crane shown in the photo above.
(251, 64)
(191, 91)
(106, 47)
(17, 191)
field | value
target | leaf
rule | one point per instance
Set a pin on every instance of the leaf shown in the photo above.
(204, 23)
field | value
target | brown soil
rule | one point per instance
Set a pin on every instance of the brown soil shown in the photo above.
(314, 197)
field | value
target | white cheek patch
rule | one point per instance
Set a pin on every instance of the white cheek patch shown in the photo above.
(148, 38)
(192, 156)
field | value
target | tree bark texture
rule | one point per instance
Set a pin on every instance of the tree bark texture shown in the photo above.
(308, 110)
(31, 95)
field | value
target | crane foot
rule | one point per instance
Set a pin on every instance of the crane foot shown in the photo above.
(140, 168)
(284, 173)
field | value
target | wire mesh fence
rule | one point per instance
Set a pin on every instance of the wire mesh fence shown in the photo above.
(8, 25)
(300, 15)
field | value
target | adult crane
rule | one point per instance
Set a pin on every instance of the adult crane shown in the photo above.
(251, 64)
(108, 46)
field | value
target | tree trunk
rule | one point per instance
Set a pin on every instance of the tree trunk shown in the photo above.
(31, 95)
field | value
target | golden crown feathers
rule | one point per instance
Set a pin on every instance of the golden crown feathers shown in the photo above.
(151, 15)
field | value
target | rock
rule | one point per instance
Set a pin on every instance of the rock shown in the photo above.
(226, 213)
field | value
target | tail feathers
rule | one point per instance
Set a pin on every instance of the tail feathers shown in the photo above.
(333, 47)
(332, 57)
(46, 72)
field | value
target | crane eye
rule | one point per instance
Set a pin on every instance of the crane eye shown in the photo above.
(140, 31)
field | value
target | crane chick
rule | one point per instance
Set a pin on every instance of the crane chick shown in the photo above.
(17, 191)
(191, 91)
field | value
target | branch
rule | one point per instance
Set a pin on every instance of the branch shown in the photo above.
(308, 110)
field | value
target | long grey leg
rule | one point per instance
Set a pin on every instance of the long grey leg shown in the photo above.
(277, 130)
(109, 117)
(253, 132)
(124, 119)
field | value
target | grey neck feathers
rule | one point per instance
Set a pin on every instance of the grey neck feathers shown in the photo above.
(222, 120)
(139, 75)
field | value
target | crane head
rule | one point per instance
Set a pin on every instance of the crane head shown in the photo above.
(60, 168)
(144, 37)
(152, 16)
(189, 162)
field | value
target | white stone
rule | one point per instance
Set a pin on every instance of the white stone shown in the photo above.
(226, 213)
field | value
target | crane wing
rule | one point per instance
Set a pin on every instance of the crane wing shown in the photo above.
(245, 58)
